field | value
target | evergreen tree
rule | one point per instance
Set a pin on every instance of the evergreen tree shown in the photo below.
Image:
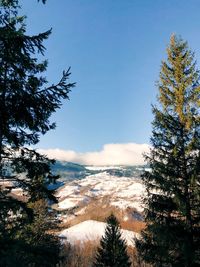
(172, 214)
(41, 246)
(113, 250)
(26, 104)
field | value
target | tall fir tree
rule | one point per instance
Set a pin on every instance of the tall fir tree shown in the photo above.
(113, 250)
(172, 213)
(26, 104)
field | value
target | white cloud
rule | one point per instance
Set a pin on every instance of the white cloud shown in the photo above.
(111, 154)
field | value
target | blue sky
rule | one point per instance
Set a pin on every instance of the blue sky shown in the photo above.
(114, 48)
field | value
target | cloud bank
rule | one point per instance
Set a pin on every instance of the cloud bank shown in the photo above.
(111, 154)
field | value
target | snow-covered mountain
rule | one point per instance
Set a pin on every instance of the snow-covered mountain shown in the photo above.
(121, 192)
(70, 171)
(89, 198)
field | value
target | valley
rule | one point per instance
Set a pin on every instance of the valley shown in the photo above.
(88, 200)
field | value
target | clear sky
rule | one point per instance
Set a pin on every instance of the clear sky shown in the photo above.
(114, 48)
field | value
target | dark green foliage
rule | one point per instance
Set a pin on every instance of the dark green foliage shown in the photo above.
(12, 3)
(26, 104)
(33, 243)
(113, 250)
(172, 214)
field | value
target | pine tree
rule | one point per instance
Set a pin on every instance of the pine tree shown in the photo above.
(113, 250)
(26, 104)
(172, 214)
(41, 246)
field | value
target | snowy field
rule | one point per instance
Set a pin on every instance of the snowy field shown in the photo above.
(122, 192)
(92, 231)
